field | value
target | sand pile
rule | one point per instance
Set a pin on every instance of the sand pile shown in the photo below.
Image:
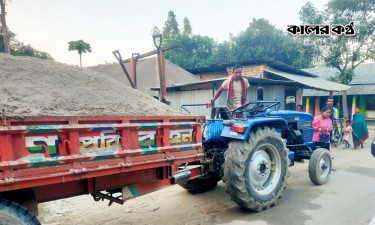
(31, 87)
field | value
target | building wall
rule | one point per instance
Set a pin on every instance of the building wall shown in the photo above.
(251, 71)
(212, 75)
(365, 102)
(248, 71)
(179, 98)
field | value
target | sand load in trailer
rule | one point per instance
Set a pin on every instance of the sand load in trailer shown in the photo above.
(30, 87)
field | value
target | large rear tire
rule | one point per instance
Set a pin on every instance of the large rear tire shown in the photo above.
(320, 166)
(13, 213)
(255, 172)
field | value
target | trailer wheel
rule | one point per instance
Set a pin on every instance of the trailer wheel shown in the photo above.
(14, 213)
(320, 166)
(201, 184)
(255, 172)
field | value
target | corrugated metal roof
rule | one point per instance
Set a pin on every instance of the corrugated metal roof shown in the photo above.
(354, 90)
(252, 80)
(312, 81)
(265, 61)
(148, 74)
(364, 73)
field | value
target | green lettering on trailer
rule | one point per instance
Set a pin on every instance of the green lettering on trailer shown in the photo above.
(45, 164)
(148, 127)
(147, 151)
(39, 148)
(43, 131)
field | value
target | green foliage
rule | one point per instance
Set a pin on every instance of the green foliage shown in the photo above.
(193, 52)
(341, 52)
(171, 32)
(260, 40)
(187, 31)
(263, 40)
(223, 53)
(80, 46)
(18, 48)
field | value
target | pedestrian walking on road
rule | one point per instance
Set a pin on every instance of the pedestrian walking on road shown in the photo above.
(347, 131)
(360, 131)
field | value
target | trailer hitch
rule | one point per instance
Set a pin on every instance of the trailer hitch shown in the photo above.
(109, 196)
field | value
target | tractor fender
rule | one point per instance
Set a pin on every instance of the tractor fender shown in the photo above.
(251, 124)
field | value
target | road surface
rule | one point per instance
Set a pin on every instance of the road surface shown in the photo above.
(348, 198)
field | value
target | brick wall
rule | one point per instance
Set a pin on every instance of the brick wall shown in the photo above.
(251, 71)
(212, 75)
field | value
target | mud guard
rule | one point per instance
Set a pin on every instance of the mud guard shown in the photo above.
(277, 123)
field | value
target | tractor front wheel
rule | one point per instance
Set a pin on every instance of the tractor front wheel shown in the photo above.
(255, 172)
(320, 166)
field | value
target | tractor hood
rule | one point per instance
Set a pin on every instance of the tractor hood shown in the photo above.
(292, 116)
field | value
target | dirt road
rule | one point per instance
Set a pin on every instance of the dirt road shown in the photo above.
(348, 198)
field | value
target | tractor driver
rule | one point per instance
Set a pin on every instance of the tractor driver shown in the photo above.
(236, 87)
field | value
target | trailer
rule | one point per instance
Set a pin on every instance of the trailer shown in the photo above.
(114, 158)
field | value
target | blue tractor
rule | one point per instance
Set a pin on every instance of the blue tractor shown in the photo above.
(251, 148)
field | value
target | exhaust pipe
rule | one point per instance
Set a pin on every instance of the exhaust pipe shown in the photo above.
(260, 89)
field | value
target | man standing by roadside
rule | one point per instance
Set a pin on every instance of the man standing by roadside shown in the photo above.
(334, 113)
(236, 86)
(334, 119)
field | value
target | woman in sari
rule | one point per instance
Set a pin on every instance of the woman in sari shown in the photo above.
(360, 132)
(322, 126)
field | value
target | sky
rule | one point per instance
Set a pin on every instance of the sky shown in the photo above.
(48, 25)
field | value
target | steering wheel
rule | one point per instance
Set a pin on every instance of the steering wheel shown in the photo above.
(256, 107)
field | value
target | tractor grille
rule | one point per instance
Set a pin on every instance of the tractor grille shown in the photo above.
(307, 134)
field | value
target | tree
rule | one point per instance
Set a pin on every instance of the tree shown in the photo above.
(193, 50)
(344, 53)
(187, 31)
(81, 47)
(6, 36)
(171, 32)
(10, 45)
(262, 39)
(223, 52)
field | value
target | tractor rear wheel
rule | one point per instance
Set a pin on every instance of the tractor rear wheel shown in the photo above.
(320, 166)
(13, 213)
(255, 172)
